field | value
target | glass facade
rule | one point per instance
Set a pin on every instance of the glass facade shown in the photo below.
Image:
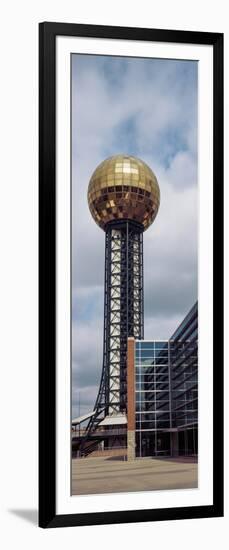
(152, 397)
(184, 382)
(166, 392)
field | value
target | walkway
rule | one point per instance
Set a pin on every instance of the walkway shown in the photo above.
(112, 475)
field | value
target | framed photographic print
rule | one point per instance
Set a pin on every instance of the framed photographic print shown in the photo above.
(131, 275)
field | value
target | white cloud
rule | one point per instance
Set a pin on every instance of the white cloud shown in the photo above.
(183, 170)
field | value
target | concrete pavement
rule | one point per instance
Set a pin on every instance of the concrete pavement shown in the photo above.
(109, 475)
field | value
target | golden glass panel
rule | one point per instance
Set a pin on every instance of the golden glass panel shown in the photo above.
(134, 179)
(117, 169)
(103, 184)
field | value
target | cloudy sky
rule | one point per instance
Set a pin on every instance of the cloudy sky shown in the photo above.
(147, 108)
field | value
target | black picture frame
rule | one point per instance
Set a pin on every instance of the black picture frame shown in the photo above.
(47, 273)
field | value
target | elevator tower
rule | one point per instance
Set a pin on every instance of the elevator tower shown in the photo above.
(123, 198)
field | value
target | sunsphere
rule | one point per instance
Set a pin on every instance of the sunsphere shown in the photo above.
(123, 197)
(123, 187)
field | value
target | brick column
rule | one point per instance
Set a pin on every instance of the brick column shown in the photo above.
(174, 444)
(130, 399)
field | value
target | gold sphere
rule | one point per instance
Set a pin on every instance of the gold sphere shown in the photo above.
(123, 187)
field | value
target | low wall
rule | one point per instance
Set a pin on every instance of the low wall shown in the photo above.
(109, 452)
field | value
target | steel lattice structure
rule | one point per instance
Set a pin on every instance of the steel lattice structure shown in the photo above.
(123, 312)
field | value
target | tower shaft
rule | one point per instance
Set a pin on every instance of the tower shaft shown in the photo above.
(123, 306)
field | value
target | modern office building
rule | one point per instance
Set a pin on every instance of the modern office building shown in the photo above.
(162, 379)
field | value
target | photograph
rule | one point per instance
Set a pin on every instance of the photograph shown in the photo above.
(134, 274)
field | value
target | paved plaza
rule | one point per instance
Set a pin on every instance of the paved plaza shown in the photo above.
(114, 475)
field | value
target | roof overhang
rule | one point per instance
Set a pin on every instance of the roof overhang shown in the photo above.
(80, 419)
(114, 420)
